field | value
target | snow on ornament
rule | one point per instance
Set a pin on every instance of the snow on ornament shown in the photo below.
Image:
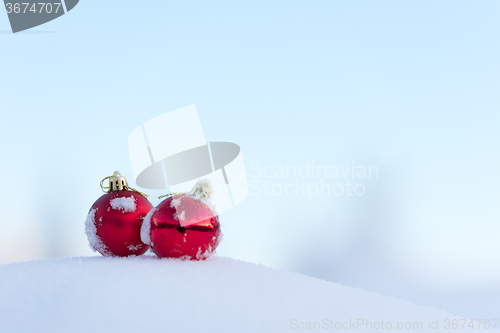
(183, 226)
(113, 225)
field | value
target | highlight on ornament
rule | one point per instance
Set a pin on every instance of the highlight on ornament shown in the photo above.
(122, 222)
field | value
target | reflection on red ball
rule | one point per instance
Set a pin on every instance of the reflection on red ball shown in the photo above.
(113, 225)
(184, 227)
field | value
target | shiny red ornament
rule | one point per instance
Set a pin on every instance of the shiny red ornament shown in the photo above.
(114, 222)
(183, 226)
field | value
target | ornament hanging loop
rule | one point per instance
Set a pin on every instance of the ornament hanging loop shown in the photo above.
(107, 189)
(199, 191)
(169, 195)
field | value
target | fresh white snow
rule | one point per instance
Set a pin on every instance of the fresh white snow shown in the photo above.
(125, 204)
(180, 217)
(147, 294)
(95, 242)
(134, 247)
(175, 203)
(146, 227)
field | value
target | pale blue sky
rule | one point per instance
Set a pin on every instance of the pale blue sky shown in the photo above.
(411, 87)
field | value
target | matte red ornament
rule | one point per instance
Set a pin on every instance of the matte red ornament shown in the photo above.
(114, 222)
(182, 226)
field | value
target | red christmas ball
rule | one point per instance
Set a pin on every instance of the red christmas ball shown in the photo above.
(182, 227)
(113, 225)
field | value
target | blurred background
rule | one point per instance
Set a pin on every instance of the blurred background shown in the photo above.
(409, 87)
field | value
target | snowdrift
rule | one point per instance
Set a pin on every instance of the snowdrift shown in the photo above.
(147, 294)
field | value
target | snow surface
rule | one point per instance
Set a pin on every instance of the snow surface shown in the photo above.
(147, 294)
(126, 204)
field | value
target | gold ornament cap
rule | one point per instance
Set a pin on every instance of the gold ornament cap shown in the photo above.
(201, 190)
(117, 182)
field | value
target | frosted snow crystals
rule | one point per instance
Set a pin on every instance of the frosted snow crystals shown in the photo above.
(181, 216)
(146, 228)
(125, 204)
(95, 241)
(204, 255)
(175, 203)
(134, 247)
